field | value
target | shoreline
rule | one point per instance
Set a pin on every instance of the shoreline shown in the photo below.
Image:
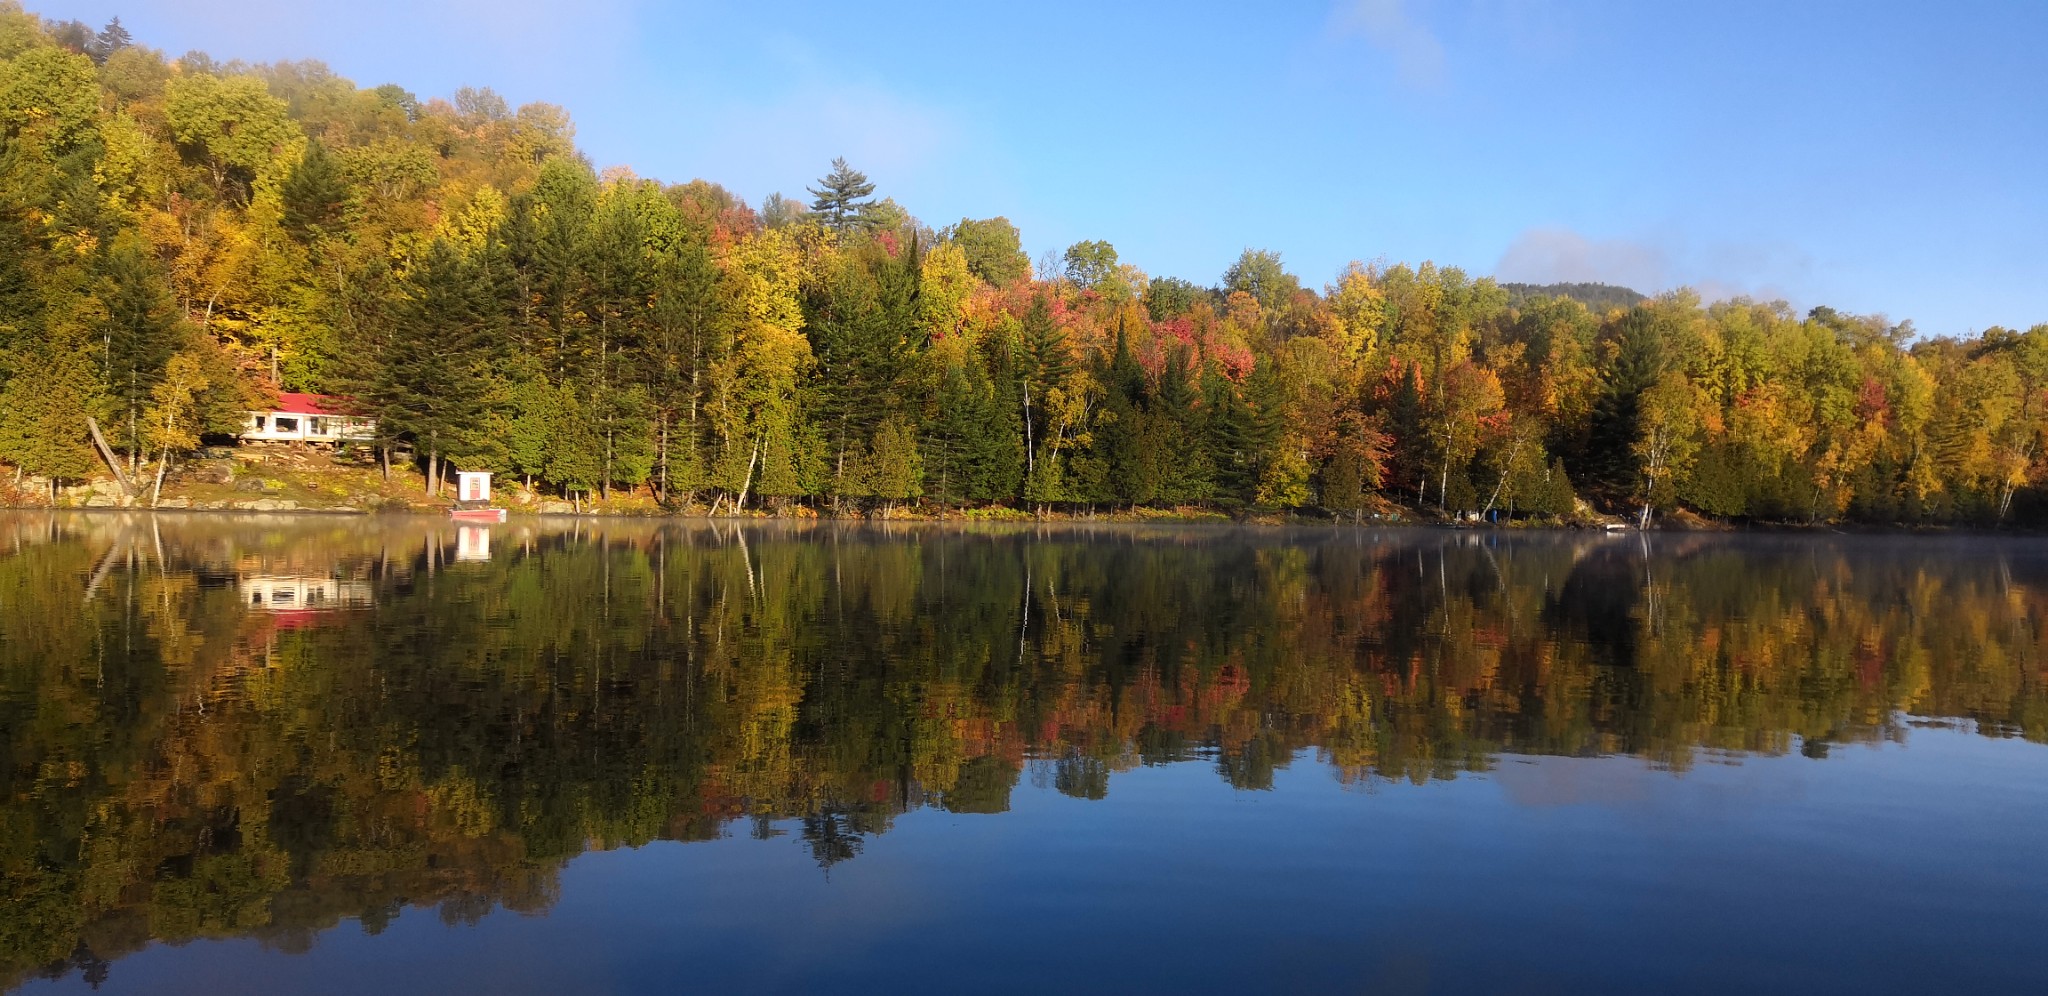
(1274, 520)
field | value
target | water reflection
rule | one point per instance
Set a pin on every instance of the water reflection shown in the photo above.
(261, 726)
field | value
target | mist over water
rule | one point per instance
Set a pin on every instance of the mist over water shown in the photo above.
(351, 754)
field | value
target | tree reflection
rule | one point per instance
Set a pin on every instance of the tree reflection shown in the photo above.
(180, 764)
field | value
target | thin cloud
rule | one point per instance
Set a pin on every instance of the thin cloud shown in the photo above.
(1550, 255)
(1391, 27)
(1560, 255)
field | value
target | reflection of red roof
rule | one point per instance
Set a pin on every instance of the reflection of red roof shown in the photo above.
(302, 618)
(294, 403)
(295, 618)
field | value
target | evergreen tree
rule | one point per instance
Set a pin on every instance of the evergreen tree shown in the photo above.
(1186, 473)
(1411, 449)
(1231, 438)
(841, 198)
(110, 39)
(575, 445)
(138, 335)
(1124, 440)
(43, 412)
(977, 439)
(616, 285)
(860, 327)
(315, 194)
(524, 419)
(1264, 428)
(895, 468)
(1047, 361)
(428, 387)
(1638, 362)
(680, 337)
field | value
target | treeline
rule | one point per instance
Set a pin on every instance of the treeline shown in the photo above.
(1598, 297)
(179, 237)
(176, 765)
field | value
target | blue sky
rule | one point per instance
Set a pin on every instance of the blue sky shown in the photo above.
(1877, 157)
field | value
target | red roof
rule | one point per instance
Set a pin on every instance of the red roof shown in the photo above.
(294, 403)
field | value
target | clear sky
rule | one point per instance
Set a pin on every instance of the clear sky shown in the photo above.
(1879, 157)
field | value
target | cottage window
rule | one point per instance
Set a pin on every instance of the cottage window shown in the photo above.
(286, 424)
(257, 422)
(318, 426)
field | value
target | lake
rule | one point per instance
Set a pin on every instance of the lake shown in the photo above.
(345, 754)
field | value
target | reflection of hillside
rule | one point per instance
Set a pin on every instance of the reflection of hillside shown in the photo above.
(179, 766)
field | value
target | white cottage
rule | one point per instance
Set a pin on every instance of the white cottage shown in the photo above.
(307, 418)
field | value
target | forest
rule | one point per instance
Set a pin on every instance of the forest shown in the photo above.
(181, 237)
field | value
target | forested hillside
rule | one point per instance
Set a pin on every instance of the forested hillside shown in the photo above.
(179, 237)
(1599, 297)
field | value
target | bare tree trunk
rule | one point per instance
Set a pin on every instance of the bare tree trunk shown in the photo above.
(163, 462)
(748, 483)
(1506, 468)
(1030, 450)
(662, 478)
(99, 442)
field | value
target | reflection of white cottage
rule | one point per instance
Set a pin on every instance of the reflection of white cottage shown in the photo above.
(297, 592)
(309, 418)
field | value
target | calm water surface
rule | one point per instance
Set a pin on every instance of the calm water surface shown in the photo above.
(342, 755)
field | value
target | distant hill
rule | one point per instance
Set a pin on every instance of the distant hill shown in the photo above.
(1598, 297)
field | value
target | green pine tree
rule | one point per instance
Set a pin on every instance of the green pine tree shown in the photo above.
(43, 413)
(843, 197)
(315, 194)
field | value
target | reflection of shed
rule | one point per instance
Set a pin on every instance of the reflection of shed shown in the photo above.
(473, 543)
(282, 593)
